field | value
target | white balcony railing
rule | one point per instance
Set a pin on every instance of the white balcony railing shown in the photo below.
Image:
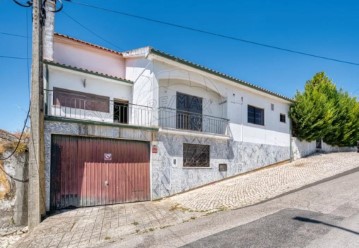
(98, 110)
(178, 119)
(137, 115)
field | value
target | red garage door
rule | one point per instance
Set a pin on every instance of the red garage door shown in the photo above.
(96, 171)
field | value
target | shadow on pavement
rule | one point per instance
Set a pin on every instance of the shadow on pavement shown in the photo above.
(303, 219)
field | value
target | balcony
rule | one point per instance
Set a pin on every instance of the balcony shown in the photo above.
(184, 120)
(83, 106)
(97, 108)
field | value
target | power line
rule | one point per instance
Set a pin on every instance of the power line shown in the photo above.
(89, 30)
(14, 35)
(28, 112)
(12, 57)
(14, 178)
(13, 152)
(215, 34)
(19, 141)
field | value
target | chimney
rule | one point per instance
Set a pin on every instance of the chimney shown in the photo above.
(48, 30)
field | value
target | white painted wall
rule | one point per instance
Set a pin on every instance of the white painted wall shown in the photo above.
(84, 56)
(165, 72)
(329, 148)
(304, 148)
(213, 109)
(139, 71)
(145, 87)
(301, 149)
(156, 81)
(273, 132)
(235, 99)
(73, 80)
(211, 100)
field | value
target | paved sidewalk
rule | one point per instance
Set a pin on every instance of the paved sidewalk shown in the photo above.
(267, 183)
(85, 227)
(333, 206)
(91, 227)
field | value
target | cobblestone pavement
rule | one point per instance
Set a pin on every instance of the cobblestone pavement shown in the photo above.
(267, 183)
(91, 227)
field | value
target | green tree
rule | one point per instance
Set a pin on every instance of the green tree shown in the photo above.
(313, 111)
(344, 130)
(323, 112)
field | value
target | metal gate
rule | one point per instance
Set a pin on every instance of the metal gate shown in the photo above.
(97, 171)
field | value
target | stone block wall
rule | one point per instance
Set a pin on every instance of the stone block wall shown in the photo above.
(13, 194)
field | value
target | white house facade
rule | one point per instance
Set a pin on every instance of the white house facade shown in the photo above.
(143, 125)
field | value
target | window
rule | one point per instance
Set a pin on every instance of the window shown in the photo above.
(120, 111)
(189, 112)
(195, 155)
(282, 118)
(80, 100)
(272, 106)
(255, 115)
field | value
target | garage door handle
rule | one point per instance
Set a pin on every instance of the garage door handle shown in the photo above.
(106, 183)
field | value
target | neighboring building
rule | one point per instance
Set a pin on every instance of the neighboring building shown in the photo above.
(142, 125)
(5, 182)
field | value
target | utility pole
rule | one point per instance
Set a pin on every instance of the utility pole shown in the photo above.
(36, 146)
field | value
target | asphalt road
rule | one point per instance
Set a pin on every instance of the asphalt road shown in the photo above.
(286, 228)
(323, 215)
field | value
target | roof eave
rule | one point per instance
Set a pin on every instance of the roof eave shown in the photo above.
(82, 70)
(87, 43)
(216, 73)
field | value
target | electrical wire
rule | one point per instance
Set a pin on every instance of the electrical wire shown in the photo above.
(13, 152)
(12, 57)
(14, 178)
(14, 35)
(19, 141)
(28, 112)
(89, 30)
(214, 34)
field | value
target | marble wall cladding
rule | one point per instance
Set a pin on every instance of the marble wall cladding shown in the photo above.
(168, 174)
(170, 177)
(254, 156)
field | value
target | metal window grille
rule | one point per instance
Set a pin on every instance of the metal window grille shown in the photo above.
(195, 155)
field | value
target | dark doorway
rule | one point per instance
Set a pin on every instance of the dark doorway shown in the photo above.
(319, 144)
(120, 111)
(189, 112)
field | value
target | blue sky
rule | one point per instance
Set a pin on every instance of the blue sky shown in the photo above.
(323, 27)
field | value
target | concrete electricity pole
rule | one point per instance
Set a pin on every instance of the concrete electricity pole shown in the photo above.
(36, 146)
